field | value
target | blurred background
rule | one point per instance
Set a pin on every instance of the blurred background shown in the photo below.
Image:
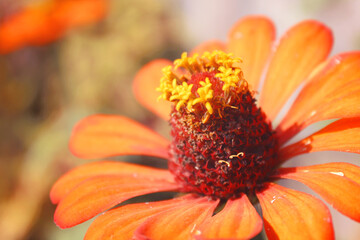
(82, 61)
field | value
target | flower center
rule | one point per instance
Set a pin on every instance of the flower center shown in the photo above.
(222, 144)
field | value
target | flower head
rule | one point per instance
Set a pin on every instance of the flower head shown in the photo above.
(224, 154)
(230, 145)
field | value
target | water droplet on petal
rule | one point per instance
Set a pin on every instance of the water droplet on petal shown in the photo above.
(193, 228)
(341, 174)
(307, 142)
(312, 113)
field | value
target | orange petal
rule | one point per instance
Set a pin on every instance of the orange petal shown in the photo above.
(331, 93)
(341, 135)
(289, 214)
(337, 183)
(129, 217)
(300, 50)
(31, 25)
(80, 12)
(100, 193)
(100, 136)
(70, 180)
(209, 46)
(12, 34)
(252, 38)
(42, 23)
(238, 220)
(145, 83)
(177, 223)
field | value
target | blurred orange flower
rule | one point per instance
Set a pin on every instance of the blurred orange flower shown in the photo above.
(224, 155)
(47, 21)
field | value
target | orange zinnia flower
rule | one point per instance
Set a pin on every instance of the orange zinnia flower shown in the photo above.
(47, 21)
(224, 155)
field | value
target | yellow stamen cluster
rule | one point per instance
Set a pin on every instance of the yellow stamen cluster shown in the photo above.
(180, 93)
(205, 94)
(229, 76)
(175, 87)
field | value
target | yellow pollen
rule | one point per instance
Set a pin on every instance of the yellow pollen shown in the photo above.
(223, 161)
(175, 88)
(240, 154)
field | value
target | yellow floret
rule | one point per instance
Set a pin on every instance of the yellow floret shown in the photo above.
(176, 89)
(205, 94)
(229, 76)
